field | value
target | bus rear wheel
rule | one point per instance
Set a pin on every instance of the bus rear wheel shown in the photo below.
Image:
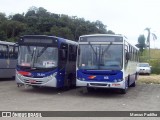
(133, 84)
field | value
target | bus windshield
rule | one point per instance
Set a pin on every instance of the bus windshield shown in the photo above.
(103, 57)
(38, 56)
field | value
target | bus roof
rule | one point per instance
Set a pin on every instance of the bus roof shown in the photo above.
(92, 35)
(59, 38)
(116, 35)
(6, 43)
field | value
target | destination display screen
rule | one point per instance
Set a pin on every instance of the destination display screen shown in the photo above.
(101, 39)
(38, 40)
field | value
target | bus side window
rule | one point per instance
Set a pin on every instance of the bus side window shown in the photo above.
(15, 51)
(72, 53)
(63, 52)
(3, 52)
(11, 53)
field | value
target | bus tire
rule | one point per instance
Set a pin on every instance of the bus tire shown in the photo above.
(128, 82)
(35, 87)
(90, 89)
(133, 84)
(123, 91)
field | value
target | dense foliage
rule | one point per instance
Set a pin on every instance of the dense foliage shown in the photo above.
(141, 43)
(40, 21)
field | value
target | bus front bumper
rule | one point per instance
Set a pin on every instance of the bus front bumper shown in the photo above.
(80, 83)
(42, 82)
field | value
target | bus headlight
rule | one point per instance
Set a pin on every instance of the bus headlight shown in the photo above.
(19, 76)
(118, 80)
(81, 79)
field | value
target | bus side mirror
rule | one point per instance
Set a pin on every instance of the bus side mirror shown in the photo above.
(127, 56)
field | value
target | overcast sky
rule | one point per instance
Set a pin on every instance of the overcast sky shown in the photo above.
(128, 17)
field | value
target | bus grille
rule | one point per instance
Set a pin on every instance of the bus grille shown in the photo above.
(98, 84)
(33, 82)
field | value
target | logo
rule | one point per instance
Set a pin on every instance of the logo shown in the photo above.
(40, 74)
(6, 114)
(21, 114)
(106, 77)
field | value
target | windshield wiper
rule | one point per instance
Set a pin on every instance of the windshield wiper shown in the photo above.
(93, 50)
(106, 49)
(41, 52)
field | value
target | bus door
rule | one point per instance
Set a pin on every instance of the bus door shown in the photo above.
(63, 57)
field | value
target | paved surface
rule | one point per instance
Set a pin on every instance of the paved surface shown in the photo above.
(144, 97)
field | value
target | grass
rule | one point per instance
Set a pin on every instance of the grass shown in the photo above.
(152, 79)
(154, 53)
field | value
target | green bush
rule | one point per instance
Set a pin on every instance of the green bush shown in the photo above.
(154, 60)
(155, 70)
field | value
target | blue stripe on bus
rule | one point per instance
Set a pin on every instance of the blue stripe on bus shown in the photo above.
(59, 77)
(99, 76)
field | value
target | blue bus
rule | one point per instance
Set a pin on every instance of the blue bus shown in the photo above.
(8, 59)
(46, 61)
(106, 61)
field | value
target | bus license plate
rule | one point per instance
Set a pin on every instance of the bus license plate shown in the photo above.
(32, 81)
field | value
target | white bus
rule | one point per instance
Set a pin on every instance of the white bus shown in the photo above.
(8, 59)
(106, 61)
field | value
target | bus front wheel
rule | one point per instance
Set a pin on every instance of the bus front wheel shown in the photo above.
(133, 84)
(123, 91)
(36, 87)
(90, 89)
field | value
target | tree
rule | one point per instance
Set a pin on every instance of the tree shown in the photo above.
(18, 17)
(40, 21)
(148, 38)
(101, 27)
(64, 32)
(2, 17)
(110, 32)
(141, 43)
